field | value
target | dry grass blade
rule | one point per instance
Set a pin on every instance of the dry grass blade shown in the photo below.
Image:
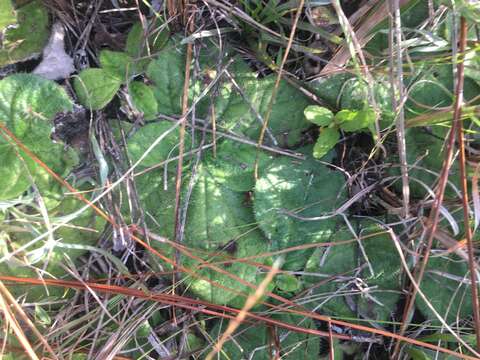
(13, 323)
(249, 303)
(435, 211)
(11, 300)
(363, 34)
(225, 312)
(463, 179)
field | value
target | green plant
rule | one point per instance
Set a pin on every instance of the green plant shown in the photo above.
(28, 36)
(54, 231)
(96, 87)
(330, 125)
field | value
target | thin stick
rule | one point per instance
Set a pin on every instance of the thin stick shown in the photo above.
(435, 212)
(249, 303)
(466, 217)
(397, 84)
(11, 300)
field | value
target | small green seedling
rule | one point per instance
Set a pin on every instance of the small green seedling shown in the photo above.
(331, 124)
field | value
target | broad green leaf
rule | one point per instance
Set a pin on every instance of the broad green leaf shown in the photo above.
(426, 151)
(167, 74)
(432, 88)
(326, 141)
(116, 64)
(306, 188)
(167, 147)
(219, 227)
(234, 164)
(286, 122)
(342, 294)
(7, 14)
(330, 89)
(318, 115)
(28, 37)
(143, 99)
(354, 120)
(251, 342)
(95, 88)
(345, 92)
(142, 46)
(27, 104)
(444, 286)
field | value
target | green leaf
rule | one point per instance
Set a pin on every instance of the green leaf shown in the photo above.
(143, 99)
(444, 288)
(432, 88)
(95, 88)
(287, 121)
(287, 282)
(425, 150)
(7, 14)
(234, 165)
(27, 103)
(318, 115)
(41, 316)
(339, 265)
(326, 141)
(251, 342)
(167, 74)
(140, 45)
(145, 136)
(28, 37)
(219, 227)
(116, 64)
(307, 188)
(354, 120)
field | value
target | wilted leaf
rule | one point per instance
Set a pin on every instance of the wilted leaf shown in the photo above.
(95, 88)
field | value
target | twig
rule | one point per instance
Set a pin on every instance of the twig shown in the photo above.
(397, 84)
(435, 212)
(463, 179)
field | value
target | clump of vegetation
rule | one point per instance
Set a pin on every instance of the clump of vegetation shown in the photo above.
(254, 180)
